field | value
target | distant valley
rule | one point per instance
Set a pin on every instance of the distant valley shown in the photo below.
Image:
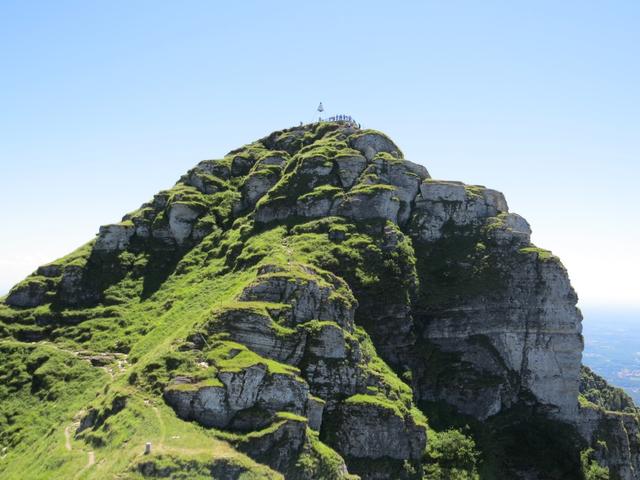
(612, 347)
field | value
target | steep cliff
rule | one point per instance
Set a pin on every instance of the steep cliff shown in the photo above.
(310, 306)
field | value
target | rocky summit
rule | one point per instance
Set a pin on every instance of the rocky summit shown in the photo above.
(310, 306)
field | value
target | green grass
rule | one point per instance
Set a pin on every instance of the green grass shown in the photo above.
(381, 134)
(235, 357)
(542, 254)
(474, 191)
(370, 189)
(377, 401)
(42, 388)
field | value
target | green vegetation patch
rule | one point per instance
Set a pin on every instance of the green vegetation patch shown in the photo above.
(451, 454)
(370, 190)
(542, 254)
(235, 357)
(595, 390)
(458, 266)
(377, 401)
(40, 387)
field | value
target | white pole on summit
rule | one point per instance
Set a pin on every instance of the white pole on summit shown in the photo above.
(320, 109)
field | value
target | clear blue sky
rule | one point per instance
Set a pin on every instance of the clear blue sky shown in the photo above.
(104, 103)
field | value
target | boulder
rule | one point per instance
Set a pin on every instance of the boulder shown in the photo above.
(273, 209)
(113, 238)
(327, 341)
(244, 398)
(277, 446)
(240, 165)
(309, 299)
(243, 387)
(217, 168)
(312, 171)
(400, 175)
(50, 271)
(182, 217)
(509, 228)
(373, 431)
(371, 143)
(206, 405)
(283, 392)
(417, 169)
(27, 294)
(443, 203)
(203, 182)
(256, 331)
(256, 185)
(317, 206)
(374, 202)
(209, 407)
(349, 168)
(315, 407)
(443, 191)
(278, 160)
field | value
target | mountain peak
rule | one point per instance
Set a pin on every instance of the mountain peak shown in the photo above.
(312, 305)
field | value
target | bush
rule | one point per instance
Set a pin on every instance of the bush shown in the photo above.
(451, 454)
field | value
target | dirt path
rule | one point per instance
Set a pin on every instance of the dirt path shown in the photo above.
(91, 460)
(67, 437)
(163, 428)
(91, 456)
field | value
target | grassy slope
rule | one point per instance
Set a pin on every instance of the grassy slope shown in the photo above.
(154, 326)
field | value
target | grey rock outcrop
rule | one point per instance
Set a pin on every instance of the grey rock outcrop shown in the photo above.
(373, 202)
(442, 203)
(240, 165)
(27, 294)
(113, 238)
(368, 430)
(239, 391)
(305, 318)
(315, 407)
(217, 168)
(529, 344)
(404, 176)
(516, 330)
(267, 448)
(317, 206)
(256, 331)
(349, 168)
(615, 437)
(256, 185)
(371, 143)
(328, 342)
(308, 298)
(181, 219)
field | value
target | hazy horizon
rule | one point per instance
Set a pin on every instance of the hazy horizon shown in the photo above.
(103, 106)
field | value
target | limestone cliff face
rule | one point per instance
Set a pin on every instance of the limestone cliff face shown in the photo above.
(309, 297)
(503, 308)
